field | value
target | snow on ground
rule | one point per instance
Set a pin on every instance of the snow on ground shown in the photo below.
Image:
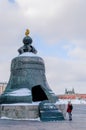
(73, 101)
(20, 92)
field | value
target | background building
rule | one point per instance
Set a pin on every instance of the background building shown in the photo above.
(70, 94)
(2, 87)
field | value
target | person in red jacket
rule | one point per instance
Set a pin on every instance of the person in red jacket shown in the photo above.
(69, 110)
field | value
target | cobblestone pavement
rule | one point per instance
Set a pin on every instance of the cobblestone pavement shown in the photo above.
(78, 122)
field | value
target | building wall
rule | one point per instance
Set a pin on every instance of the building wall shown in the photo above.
(72, 96)
(2, 87)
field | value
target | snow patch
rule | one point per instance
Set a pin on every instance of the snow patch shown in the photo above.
(32, 119)
(22, 104)
(20, 92)
(27, 54)
(3, 117)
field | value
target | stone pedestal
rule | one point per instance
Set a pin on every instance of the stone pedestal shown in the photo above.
(19, 111)
(23, 111)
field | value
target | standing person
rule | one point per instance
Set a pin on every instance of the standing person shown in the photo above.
(69, 110)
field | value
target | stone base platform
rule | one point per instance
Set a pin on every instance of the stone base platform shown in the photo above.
(19, 111)
(23, 111)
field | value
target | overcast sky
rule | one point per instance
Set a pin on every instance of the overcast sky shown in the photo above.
(58, 30)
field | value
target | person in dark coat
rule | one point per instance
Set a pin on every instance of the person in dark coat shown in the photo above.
(69, 110)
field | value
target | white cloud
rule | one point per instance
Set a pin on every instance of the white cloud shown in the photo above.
(78, 53)
(56, 19)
